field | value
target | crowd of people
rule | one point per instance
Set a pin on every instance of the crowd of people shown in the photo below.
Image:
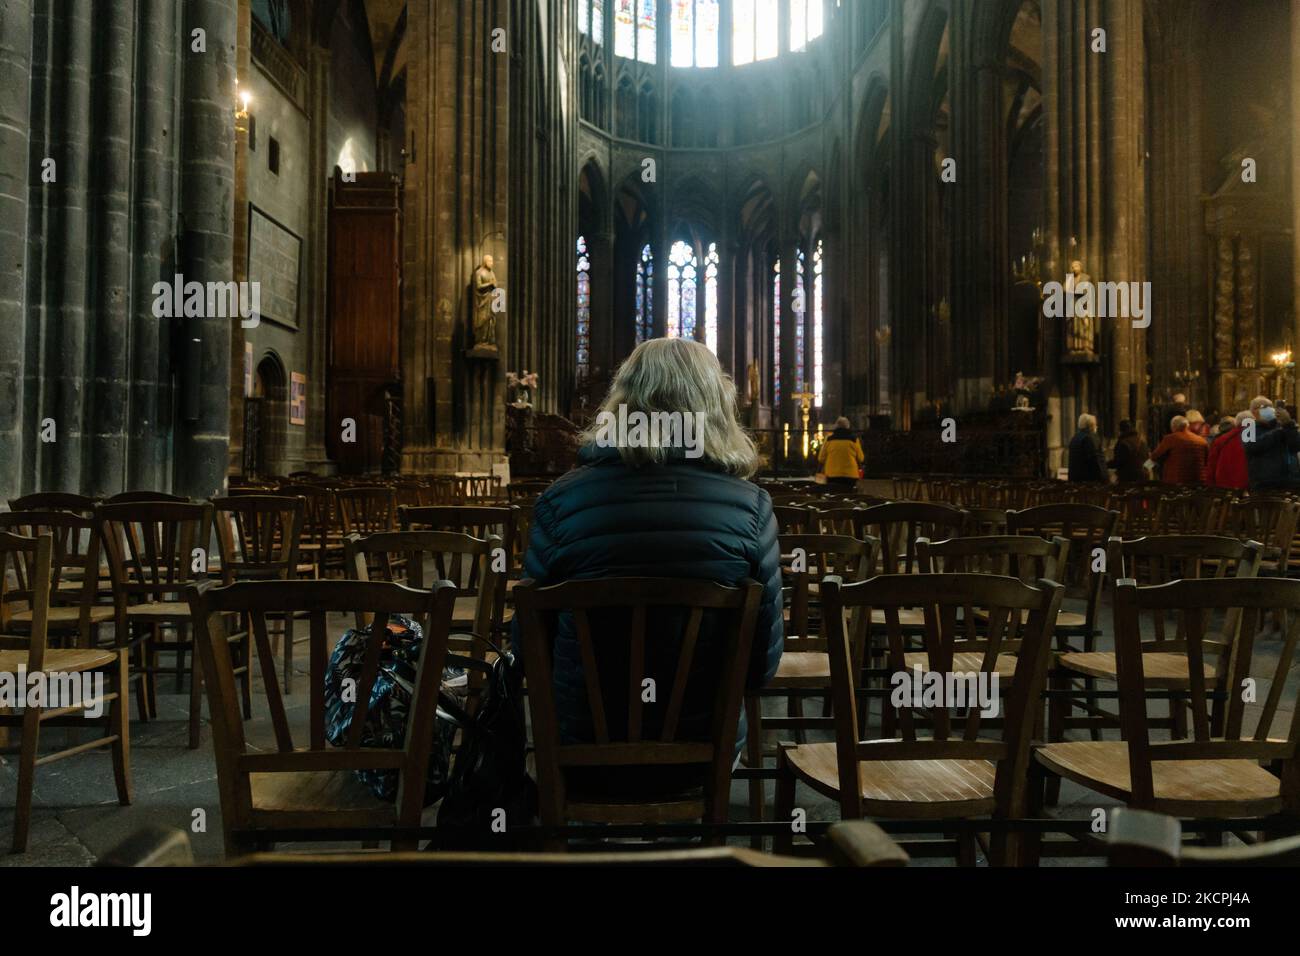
(1258, 449)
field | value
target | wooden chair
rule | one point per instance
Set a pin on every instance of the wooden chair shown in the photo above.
(404, 556)
(1271, 522)
(322, 531)
(151, 550)
(1222, 771)
(986, 521)
(794, 519)
(258, 538)
(529, 488)
(1143, 838)
(74, 609)
(909, 488)
(805, 559)
(480, 521)
(899, 524)
(640, 620)
(953, 773)
(1149, 561)
(27, 562)
(367, 509)
(315, 787)
(1191, 513)
(1139, 511)
(55, 501)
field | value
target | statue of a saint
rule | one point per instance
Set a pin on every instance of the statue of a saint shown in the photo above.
(751, 388)
(1080, 297)
(485, 319)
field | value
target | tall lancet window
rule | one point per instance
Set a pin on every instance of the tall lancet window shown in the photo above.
(806, 22)
(776, 334)
(755, 31)
(711, 298)
(635, 29)
(645, 295)
(584, 309)
(683, 279)
(591, 19)
(695, 32)
(817, 324)
(799, 305)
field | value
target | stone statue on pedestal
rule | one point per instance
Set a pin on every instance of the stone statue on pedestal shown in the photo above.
(1082, 334)
(485, 319)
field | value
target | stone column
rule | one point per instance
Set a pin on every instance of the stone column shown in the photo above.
(243, 67)
(207, 209)
(788, 409)
(316, 266)
(15, 163)
(153, 234)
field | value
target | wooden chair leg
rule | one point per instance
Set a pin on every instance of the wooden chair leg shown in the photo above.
(119, 722)
(1178, 715)
(288, 654)
(141, 683)
(26, 776)
(784, 808)
(754, 761)
(246, 678)
(1057, 708)
(151, 665)
(966, 848)
(196, 700)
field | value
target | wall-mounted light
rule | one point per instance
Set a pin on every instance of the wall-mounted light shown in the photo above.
(243, 99)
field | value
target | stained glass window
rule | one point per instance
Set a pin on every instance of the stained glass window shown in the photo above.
(767, 32)
(624, 28)
(645, 32)
(711, 298)
(683, 273)
(776, 334)
(742, 32)
(584, 309)
(645, 295)
(582, 16)
(806, 22)
(597, 20)
(799, 305)
(817, 324)
(695, 32)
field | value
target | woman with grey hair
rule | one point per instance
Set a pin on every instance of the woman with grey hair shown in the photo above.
(660, 490)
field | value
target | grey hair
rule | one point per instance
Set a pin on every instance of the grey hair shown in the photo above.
(1177, 423)
(1242, 416)
(1260, 401)
(1087, 421)
(678, 376)
(842, 422)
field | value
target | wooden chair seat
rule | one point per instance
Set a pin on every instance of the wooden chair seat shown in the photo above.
(966, 662)
(1159, 670)
(916, 789)
(802, 669)
(316, 792)
(1068, 619)
(160, 611)
(67, 615)
(907, 617)
(603, 810)
(1185, 788)
(467, 608)
(58, 660)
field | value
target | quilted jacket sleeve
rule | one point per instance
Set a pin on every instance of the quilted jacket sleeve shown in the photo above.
(769, 637)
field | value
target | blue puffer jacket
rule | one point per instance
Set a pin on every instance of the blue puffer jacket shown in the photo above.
(683, 519)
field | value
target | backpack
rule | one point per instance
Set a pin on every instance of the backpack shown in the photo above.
(490, 774)
(390, 702)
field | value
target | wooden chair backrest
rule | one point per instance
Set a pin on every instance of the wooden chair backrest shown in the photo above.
(367, 509)
(258, 536)
(529, 488)
(899, 524)
(54, 501)
(1009, 555)
(456, 557)
(1191, 513)
(941, 597)
(1217, 713)
(74, 560)
(909, 488)
(805, 560)
(137, 497)
(25, 561)
(1087, 528)
(151, 547)
(835, 517)
(986, 521)
(481, 521)
(1270, 521)
(1143, 838)
(793, 519)
(319, 514)
(643, 735)
(377, 600)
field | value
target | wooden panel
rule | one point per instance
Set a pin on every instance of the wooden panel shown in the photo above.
(364, 315)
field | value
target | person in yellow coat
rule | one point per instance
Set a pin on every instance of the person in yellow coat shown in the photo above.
(841, 456)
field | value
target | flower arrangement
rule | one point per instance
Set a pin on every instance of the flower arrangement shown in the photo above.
(522, 386)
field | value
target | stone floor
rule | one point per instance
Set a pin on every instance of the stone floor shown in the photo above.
(76, 817)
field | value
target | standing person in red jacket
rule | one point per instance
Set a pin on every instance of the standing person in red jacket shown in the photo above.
(1182, 453)
(1227, 465)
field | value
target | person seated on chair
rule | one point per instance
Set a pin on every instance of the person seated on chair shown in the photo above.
(841, 456)
(682, 509)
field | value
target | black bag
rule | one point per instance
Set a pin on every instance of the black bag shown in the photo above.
(489, 775)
